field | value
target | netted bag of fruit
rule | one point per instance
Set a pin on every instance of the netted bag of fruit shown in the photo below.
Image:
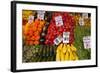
(60, 22)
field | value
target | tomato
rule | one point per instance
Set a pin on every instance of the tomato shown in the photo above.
(54, 31)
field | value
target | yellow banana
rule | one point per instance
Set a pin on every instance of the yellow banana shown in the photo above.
(60, 47)
(66, 52)
(58, 56)
(67, 55)
(76, 57)
(62, 56)
(58, 52)
(73, 48)
(64, 49)
(71, 56)
(68, 48)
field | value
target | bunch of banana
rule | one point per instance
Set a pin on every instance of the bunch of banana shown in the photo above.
(58, 52)
(66, 52)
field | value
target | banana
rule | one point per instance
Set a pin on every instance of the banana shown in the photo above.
(67, 56)
(63, 51)
(58, 56)
(59, 48)
(71, 56)
(76, 57)
(58, 52)
(66, 52)
(62, 56)
(68, 48)
(64, 48)
(73, 48)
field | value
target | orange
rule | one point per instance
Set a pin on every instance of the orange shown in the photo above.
(37, 37)
(31, 43)
(36, 42)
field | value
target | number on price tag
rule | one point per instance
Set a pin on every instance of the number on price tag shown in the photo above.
(85, 15)
(58, 40)
(59, 21)
(40, 15)
(87, 42)
(81, 21)
(30, 19)
(66, 36)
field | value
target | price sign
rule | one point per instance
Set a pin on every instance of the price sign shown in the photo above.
(81, 21)
(59, 21)
(87, 42)
(85, 15)
(66, 36)
(58, 40)
(40, 15)
(30, 19)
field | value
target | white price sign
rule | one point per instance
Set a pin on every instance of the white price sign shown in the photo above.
(81, 21)
(30, 19)
(85, 15)
(58, 40)
(87, 42)
(58, 20)
(40, 15)
(66, 36)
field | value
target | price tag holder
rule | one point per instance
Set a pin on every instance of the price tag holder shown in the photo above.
(58, 20)
(81, 21)
(58, 40)
(30, 19)
(40, 15)
(66, 36)
(85, 15)
(87, 42)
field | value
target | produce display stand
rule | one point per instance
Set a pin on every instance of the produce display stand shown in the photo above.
(46, 36)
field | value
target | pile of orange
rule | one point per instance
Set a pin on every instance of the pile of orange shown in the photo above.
(33, 31)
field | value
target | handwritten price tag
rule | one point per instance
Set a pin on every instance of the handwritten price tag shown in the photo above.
(66, 36)
(85, 15)
(59, 21)
(40, 15)
(58, 40)
(81, 21)
(87, 42)
(30, 19)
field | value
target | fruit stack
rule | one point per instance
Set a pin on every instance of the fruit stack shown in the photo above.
(39, 53)
(82, 19)
(55, 30)
(32, 32)
(66, 52)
